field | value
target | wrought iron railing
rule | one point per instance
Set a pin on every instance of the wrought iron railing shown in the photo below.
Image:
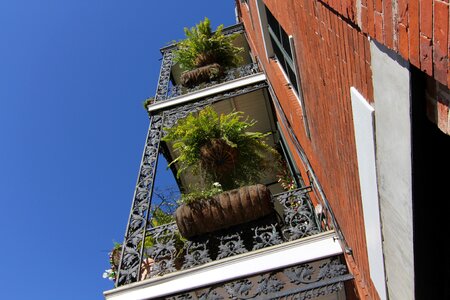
(231, 74)
(308, 280)
(165, 251)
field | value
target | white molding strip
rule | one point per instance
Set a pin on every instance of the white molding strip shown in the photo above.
(216, 89)
(291, 253)
(363, 123)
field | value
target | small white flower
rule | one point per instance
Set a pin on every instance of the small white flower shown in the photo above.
(217, 185)
(108, 274)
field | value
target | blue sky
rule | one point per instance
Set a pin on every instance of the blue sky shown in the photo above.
(73, 76)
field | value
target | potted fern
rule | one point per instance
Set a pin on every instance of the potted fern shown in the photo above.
(220, 148)
(224, 153)
(204, 55)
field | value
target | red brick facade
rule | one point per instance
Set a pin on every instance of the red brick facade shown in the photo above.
(417, 30)
(332, 50)
(332, 57)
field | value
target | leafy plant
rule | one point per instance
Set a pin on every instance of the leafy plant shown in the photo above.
(114, 259)
(161, 218)
(148, 102)
(201, 194)
(284, 176)
(195, 134)
(202, 47)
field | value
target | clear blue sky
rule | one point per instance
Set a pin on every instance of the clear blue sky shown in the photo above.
(73, 76)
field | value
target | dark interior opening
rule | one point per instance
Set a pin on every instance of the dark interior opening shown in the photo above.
(431, 195)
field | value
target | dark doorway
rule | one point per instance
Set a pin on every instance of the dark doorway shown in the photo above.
(431, 197)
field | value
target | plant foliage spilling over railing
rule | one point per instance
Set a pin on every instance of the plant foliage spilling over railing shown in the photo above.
(202, 47)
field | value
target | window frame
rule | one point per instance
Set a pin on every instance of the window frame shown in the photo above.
(268, 36)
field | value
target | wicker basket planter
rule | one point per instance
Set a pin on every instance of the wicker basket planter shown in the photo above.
(224, 210)
(218, 156)
(201, 74)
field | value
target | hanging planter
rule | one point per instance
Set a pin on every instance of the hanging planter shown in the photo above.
(200, 75)
(220, 148)
(204, 55)
(224, 210)
(218, 156)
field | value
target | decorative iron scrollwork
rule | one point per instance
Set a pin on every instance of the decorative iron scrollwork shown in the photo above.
(132, 249)
(196, 254)
(239, 289)
(299, 217)
(163, 249)
(266, 236)
(231, 245)
(164, 76)
(303, 281)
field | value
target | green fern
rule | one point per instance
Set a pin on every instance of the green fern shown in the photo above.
(202, 47)
(194, 131)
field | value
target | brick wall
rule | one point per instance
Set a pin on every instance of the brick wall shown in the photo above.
(333, 55)
(417, 29)
(438, 100)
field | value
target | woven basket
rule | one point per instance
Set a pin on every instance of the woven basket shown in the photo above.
(218, 156)
(224, 210)
(201, 75)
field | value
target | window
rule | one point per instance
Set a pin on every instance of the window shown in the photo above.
(281, 44)
(278, 44)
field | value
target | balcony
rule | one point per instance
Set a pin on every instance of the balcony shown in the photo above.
(169, 85)
(293, 249)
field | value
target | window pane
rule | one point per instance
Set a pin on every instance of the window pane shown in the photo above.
(292, 77)
(273, 23)
(279, 38)
(285, 42)
(277, 50)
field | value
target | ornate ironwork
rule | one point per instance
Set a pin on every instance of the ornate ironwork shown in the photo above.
(133, 245)
(162, 243)
(164, 76)
(304, 281)
(196, 254)
(210, 295)
(229, 75)
(169, 253)
(231, 245)
(299, 217)
(266, 236)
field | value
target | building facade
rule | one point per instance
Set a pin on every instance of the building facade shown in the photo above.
(366, 80)
(355, 96)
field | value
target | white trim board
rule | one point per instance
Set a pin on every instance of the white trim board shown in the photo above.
(216, 89)
(363, 122)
